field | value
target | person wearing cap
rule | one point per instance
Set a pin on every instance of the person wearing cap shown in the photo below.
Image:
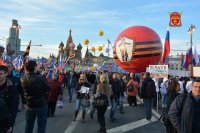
(163, 90)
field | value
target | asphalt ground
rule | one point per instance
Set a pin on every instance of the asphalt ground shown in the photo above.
(131, 121)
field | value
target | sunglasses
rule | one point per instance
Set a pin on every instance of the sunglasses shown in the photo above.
(82, 79)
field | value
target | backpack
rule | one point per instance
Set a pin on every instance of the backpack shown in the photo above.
(150, 90)
(130, 88)
(177, 87)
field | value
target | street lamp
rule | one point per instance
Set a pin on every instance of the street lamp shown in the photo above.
(17, 28)
(191, 29)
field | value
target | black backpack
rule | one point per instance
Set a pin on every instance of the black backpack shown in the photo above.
(130, 88)
(150, 90)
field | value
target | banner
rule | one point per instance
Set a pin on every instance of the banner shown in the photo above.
(111, 67)
(196, 71)
(158, 71)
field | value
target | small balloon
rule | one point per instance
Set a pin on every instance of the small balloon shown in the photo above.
(86, 41)
(101, 33)
(92, 49)
(100, 48)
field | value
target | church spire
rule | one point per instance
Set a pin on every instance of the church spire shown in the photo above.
(69, 41)
(87, 54)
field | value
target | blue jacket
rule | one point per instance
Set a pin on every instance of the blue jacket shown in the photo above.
(183, 120)
(73, 82)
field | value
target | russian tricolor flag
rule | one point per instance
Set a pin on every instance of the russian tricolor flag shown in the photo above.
(190, 54)
(186, 62)
(166, 53)
(195, 57)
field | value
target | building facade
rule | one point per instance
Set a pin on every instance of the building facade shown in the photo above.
(175, 62)
(13, 42)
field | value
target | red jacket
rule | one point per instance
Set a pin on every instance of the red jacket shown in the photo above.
(55, 91)
(135, 90)
(61, 78)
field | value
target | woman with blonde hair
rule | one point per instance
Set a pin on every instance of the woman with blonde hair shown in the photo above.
(80, 95)
(103, 90)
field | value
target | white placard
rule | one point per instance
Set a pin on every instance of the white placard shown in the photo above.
(196, 71)
(158, 71)
(84, 89)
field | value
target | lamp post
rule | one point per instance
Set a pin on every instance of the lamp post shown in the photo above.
(17, 28)
(191, 29)
(108, 49)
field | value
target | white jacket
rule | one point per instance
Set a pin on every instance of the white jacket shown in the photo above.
(163, 89)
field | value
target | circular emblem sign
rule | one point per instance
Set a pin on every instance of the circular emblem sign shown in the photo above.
(136, 48)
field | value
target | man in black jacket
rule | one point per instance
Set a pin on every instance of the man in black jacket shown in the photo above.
(148, 92)
(35, 88)
(16, 81)
(9, 93)
(117, 91)
(5, 118)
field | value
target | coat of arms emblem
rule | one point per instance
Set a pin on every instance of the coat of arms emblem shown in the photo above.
(175, 19)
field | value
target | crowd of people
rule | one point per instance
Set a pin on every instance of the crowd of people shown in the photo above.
(38, 90)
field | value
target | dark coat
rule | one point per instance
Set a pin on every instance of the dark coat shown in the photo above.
(16, 81)
(123, 85)
(35, 90)
(183, 123)
(73, 82)
(116, 88)
(91, 78)
(5, 117)
(78, 88)
(55, 91)
(144, 87)
(10, 94)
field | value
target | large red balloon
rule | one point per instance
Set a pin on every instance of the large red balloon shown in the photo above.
(136, 48)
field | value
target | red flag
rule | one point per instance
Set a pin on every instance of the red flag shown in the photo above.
(166, 49)
(182, 59)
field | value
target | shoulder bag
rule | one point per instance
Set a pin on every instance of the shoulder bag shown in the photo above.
(85, 102)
